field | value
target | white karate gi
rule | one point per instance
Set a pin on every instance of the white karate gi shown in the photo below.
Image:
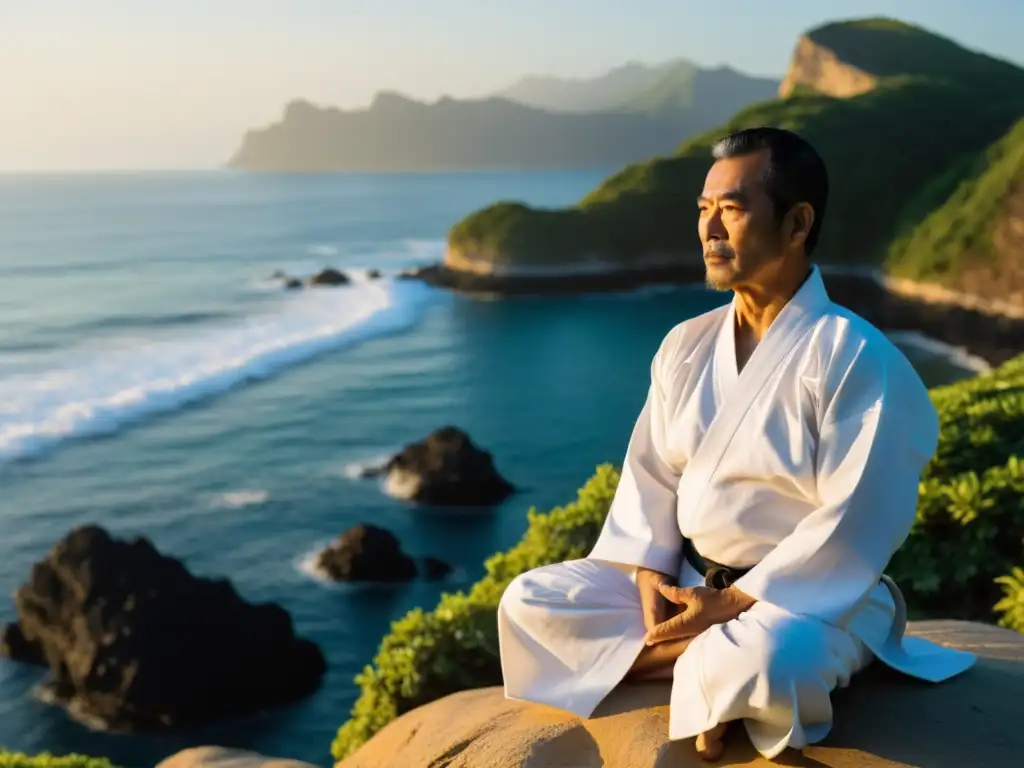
(803, 466)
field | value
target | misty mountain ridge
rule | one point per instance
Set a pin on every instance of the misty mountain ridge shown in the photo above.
(627, 114)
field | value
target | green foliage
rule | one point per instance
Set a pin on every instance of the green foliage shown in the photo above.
(956, 217)
(881, 149)
(455, 647)
(969, 529)
(963, 558)
(46, 760)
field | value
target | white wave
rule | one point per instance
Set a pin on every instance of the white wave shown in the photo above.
(366, 467)
(99, 393)
(240, 499)
(322, 250)
(958, 356)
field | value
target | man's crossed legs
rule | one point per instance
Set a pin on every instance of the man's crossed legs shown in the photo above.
(570, 632)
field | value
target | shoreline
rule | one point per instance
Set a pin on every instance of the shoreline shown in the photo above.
(972, 334)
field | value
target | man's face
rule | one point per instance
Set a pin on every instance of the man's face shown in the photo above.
(737, 224)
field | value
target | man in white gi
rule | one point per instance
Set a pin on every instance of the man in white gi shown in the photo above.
(772, 473)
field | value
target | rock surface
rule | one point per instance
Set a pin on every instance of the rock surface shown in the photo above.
(368, 553)
(883, 720)
(446, 469)
(220, 757)
(817, 67)
(135, 642)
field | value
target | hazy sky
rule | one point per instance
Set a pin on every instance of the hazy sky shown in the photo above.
(156, 84)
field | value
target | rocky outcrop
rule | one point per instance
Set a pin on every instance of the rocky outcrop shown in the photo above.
(368, 553)
(135, 642)
(883, 720)
(818, 68)
(329, 276)
(220, 757)
(446, 469)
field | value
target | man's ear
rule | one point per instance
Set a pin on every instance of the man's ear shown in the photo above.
(798, 222)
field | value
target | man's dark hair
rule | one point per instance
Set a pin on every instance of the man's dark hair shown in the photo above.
(795, 172)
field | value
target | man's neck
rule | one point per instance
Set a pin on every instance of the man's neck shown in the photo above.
(758, 306)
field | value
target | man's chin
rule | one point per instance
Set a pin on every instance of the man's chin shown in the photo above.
(718, 279)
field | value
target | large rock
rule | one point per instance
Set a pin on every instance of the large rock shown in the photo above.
(368, 553)
(446, 469)
(220, 757)
(882, 720)
(135, 642)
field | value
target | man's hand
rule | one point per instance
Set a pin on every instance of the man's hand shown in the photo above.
(699, 608)
(657, 608)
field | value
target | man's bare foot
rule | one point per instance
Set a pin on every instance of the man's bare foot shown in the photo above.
(710, 745)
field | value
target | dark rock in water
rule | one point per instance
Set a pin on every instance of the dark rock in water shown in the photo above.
(329, 277)
(373, 274)
(366, 553)
(292, 283)
(135, 642)
(13, 645)
(446, 469)
(278, 274)
(434, 569)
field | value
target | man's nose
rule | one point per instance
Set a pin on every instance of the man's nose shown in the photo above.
(711, 226)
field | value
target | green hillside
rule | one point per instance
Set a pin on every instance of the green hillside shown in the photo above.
(934, 101)
(964, 228)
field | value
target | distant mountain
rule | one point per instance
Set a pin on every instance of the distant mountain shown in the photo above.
(674, 87)
(629, 114)
(606, 92)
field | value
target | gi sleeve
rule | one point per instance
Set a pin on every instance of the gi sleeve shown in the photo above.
(878, 432)
(642, 528)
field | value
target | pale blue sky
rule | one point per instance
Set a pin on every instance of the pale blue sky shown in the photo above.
(159, 84)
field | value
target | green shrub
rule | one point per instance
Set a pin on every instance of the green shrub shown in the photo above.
(454, 647)
(970, 518)
(963, 557)
(46, 760)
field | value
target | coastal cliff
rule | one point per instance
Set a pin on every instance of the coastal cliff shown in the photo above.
(874, 97)
(622, 117)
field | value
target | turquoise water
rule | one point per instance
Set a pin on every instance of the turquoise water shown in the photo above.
(152, 380)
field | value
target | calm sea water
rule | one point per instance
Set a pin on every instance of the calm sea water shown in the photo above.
(153, 380)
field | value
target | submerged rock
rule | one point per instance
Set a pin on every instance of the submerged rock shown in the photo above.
(434, 569)
(135, 642)
(446, 469)
(369, 553)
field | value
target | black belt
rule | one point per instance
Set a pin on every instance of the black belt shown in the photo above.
(715, 575)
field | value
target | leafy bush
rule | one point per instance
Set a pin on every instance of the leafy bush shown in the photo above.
(969, 532)
(963, 558)
(46, 760)
(454, 647)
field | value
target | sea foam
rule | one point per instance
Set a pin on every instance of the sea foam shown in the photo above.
(97, 394)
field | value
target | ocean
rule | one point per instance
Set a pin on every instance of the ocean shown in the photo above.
(155, 381)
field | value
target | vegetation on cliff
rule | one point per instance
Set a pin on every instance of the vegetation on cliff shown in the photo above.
(963, 557)
(46, 760)
(966, 228)
(934, 101)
